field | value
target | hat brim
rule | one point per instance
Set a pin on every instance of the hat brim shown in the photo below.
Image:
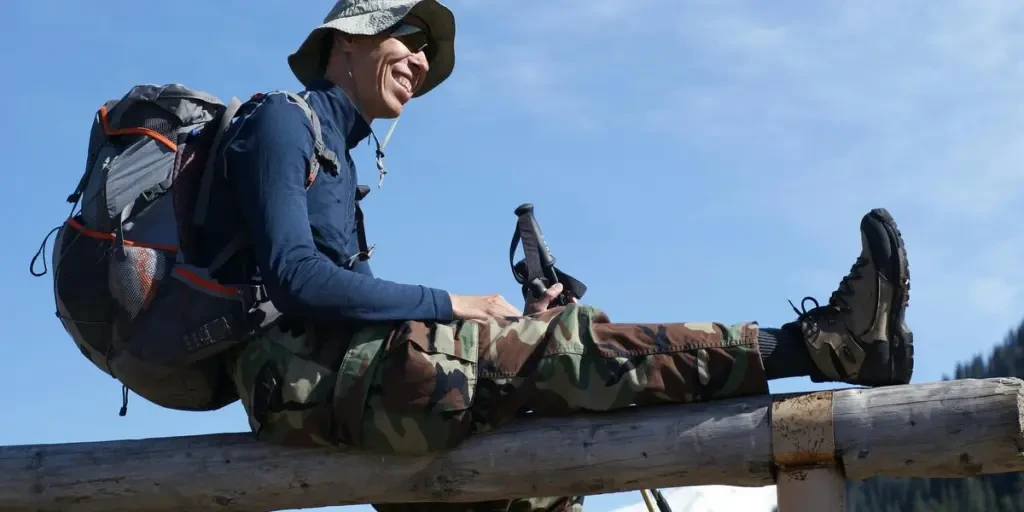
(440, 21)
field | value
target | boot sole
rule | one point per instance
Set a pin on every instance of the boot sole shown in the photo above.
(901, 338)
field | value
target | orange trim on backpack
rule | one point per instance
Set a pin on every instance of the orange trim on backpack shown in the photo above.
(202, 282)
(111, 237)
(135, 131)
(185, 274)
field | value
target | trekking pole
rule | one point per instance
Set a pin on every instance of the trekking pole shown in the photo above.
(537, 272)
(661, 501)
(647, 500)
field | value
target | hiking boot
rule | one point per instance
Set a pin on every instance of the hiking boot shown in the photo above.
(860, 336)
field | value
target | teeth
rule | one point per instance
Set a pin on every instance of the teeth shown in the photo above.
(405, 83)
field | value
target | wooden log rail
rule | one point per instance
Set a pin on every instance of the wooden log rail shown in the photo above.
(944, 429)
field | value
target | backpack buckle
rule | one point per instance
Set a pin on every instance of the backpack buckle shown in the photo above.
(327, 157)
(149, 194)
(119, 252)
(360, 256)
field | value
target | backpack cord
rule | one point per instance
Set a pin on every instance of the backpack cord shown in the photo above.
(381, 171)
(124, 388)
(41, 253)
(380, 152)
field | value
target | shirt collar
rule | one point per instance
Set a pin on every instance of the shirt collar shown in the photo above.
(344, 111)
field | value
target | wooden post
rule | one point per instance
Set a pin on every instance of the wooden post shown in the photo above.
(804, 449)
(944, 429)
(820, 489)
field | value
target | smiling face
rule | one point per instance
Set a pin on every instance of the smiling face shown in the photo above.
(386, 70)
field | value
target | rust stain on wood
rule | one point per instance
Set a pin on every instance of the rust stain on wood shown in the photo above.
(802, 431)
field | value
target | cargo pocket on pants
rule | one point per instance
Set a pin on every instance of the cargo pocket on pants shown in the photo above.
(286, 395)
(418, 389)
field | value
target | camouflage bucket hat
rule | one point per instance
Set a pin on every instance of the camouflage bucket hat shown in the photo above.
(372, 17)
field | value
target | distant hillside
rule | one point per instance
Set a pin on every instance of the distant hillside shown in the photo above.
(992, 493)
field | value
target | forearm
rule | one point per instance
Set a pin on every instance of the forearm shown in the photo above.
(316, 288)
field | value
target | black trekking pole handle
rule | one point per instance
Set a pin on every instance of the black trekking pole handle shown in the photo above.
(530, 231)
(525, 214)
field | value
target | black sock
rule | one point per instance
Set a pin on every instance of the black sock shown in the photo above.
(784, 353)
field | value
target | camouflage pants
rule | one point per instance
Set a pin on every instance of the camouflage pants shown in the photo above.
(415, 387)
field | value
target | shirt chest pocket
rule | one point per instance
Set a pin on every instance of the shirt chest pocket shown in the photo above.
(335, 196)
(332, 213)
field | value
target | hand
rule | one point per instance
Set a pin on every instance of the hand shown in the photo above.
(482, 307)
(544, 302)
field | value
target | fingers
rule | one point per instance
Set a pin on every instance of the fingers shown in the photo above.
(501, 307)
(544, 302)
(482, 307)
(552, 293)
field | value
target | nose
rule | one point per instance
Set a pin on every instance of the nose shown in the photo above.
(418, 64)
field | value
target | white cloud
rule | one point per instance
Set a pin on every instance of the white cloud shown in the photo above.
(922, 100)
(916, 105)
(545, 58)
(918, 99)
(527, 80)
(714, 498)
(992, 295)
(994, 287)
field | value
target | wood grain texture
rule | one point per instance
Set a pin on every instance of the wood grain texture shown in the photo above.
(589, 454)
(957, 428)
(943, 429)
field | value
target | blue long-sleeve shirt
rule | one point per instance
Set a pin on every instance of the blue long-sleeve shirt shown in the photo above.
(300, 239)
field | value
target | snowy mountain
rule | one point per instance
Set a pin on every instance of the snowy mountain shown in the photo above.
(714, 498)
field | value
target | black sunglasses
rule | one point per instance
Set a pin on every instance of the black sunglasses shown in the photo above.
(414, 38)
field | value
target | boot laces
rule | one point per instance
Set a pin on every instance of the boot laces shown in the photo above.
(809, 318)
(838, 302)
(840, 297)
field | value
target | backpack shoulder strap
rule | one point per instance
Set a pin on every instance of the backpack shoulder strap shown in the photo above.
(206, 180)
(322, 158)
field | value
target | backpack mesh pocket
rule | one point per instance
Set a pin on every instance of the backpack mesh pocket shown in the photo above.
(135, 275)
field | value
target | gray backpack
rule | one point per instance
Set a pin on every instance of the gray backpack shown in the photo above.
(126, 286)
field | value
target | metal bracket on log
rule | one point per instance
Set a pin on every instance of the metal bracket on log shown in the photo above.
(804, 452)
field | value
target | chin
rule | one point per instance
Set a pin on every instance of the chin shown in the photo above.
(389, 113)
(391, 109)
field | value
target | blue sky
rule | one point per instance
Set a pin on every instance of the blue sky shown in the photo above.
(689, 160)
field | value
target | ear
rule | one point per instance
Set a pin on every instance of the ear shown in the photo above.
(349, 43)
(343, 42)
